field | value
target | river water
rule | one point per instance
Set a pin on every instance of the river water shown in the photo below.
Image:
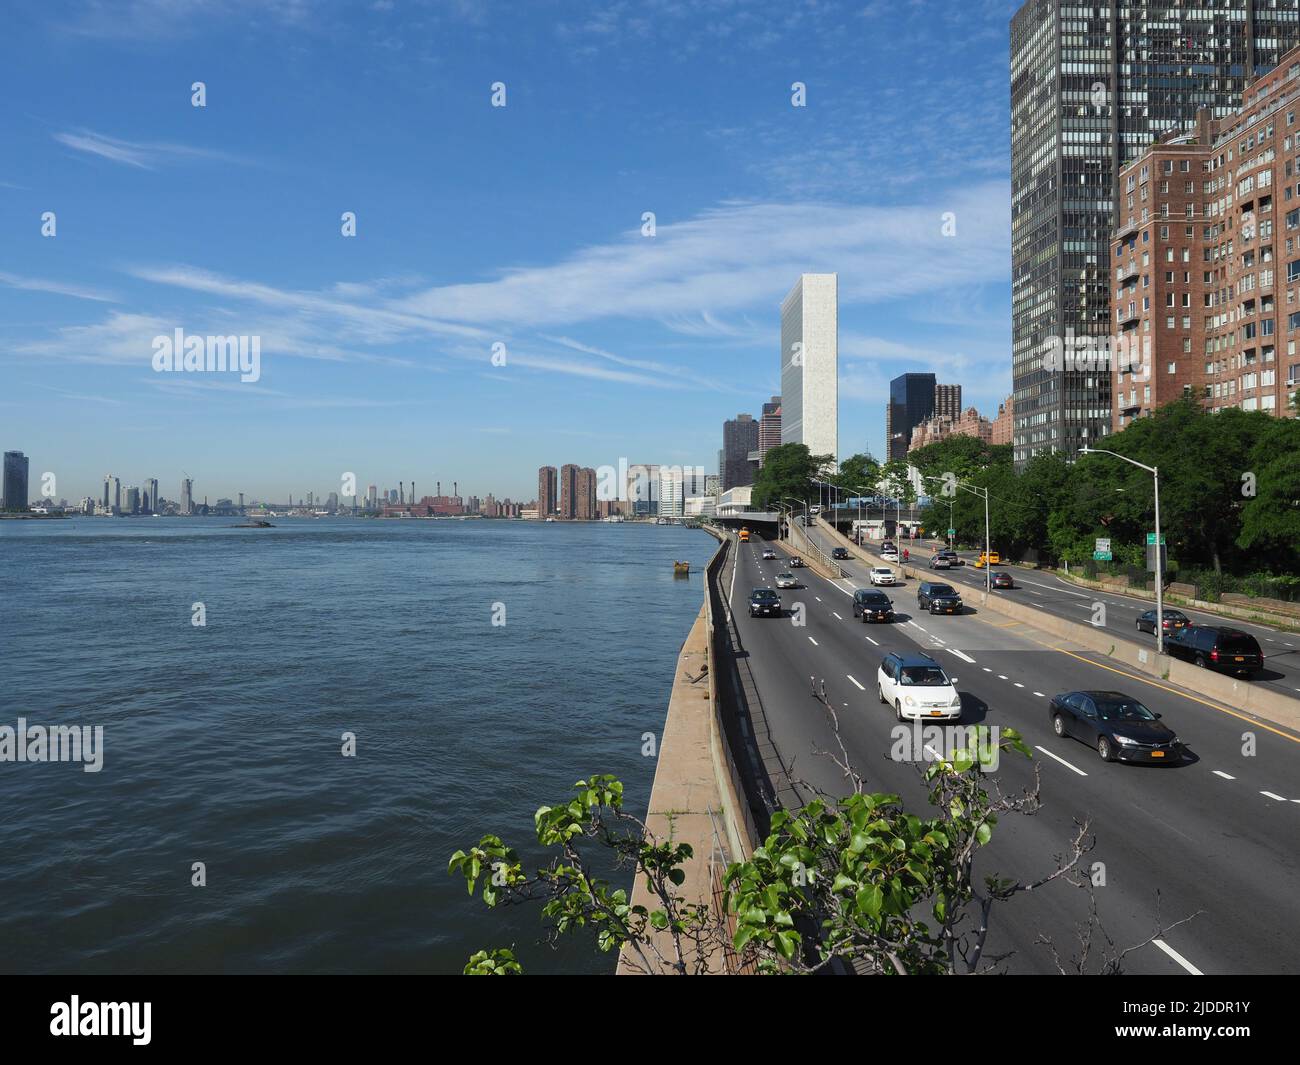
(222, 742)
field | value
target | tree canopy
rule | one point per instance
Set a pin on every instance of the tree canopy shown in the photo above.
(1229, 492)
(788, 472)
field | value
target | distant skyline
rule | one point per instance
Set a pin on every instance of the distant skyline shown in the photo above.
(478, 226)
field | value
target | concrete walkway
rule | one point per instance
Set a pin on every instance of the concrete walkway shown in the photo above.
(685, 787)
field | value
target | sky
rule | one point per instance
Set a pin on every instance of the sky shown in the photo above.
(515, 229)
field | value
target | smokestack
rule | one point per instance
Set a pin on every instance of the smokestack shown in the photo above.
(401, 491)
(438, 491)
(412, 491)
(455, 489)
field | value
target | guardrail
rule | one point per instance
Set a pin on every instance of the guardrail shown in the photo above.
(809, 547)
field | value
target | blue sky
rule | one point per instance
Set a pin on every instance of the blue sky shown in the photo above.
(478, 225)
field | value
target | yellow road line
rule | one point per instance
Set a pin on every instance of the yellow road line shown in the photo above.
(1175, 691)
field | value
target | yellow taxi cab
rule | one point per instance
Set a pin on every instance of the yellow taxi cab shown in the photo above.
(990, 558)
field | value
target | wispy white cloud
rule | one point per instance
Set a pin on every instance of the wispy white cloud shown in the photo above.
(142, 155)
(35, 284)
(738, 257)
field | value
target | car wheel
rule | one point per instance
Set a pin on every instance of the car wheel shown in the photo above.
(1140, 628)
(1200, 661)
(1103, 749)
(880, 693)
(898, 710)
(1058, 725)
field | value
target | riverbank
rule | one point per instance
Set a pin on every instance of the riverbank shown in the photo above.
(695, 797)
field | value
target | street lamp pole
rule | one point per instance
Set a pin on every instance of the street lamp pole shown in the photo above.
(976, 490)
(1160, 573)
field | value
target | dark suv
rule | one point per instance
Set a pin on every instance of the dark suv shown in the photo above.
(764, 602)
(1213, 647)
(840, 553)
(938, 598)
(871, 605)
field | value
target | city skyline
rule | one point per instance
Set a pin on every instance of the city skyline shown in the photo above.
(376, 351)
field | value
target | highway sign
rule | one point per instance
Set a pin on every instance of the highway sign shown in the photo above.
(1102, 556)
(952, 532)
(1103, 545)
(1151, 539)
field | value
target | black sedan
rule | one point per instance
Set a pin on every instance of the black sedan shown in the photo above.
(1116, 725)
(764, 602)
(840, 553)
(1173, 621)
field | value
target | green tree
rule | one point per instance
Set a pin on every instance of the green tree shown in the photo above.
(788, 471)
(857, 471)
(860, 879)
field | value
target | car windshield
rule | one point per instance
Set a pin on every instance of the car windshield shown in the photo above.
(942, 589)
(1122, 710)
(924, 676)
(784, 576)
(764, 593)
(875, 598)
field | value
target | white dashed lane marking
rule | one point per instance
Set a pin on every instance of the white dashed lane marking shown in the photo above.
(872, 642)
(855, 682)
(813, 642)
(835, 615)
(1177, 957)
(1221, 773)
(961, 655)
(1270, 795)
(1061, 760)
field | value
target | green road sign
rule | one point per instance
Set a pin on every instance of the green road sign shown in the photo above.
(952, 532)
(1102, 556)
(1151, 539)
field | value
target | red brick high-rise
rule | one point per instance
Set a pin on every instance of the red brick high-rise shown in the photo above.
(1205, 262)
(568, 491)
(545, 492)
(584, 504)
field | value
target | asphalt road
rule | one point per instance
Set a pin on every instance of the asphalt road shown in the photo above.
(1049, 593)
(1215, 834)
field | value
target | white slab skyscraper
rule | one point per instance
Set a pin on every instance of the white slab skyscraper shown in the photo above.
(810, 364)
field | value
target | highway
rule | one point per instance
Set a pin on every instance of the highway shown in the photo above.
(1047, 592)
(1216, 834)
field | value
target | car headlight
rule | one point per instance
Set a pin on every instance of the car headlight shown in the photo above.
(909, 700)
(1126, 741)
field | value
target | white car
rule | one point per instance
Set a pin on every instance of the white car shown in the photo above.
(882, 575)
(786, 580)
(769, 553)
(918, 689)
(889, 554)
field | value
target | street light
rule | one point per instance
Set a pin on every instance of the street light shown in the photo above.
(1160, 582)
(792, 500)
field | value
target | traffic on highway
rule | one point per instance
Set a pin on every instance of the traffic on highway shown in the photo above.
(1192, 805)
